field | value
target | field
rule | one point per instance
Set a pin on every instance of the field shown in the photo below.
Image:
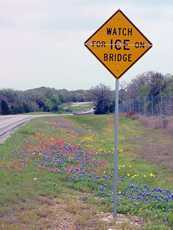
(76, 107)
(56, 173)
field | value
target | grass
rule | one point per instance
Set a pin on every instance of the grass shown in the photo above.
(22, 178)
(129, 161)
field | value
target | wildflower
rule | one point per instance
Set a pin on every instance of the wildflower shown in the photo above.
(134, 176)
(101, 188)
(152, 175)
(120, 150)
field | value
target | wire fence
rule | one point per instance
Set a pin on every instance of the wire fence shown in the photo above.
(148, 106)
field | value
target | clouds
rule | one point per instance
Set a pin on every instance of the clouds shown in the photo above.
(42, 40)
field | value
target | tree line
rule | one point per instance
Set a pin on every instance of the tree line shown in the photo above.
(149, 93)
(42, 99)
(145, 91)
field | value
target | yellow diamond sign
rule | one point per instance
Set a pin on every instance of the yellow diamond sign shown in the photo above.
(118, 44)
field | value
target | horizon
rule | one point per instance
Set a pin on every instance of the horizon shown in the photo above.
(121, 85)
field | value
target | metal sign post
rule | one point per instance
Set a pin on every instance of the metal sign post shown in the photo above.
(118, 44)
(116, 131)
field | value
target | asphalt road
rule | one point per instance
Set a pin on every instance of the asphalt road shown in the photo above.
(8, 124)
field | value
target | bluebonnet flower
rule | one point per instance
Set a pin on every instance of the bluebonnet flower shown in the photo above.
(101, 188)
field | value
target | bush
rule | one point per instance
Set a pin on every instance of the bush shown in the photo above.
(102, 99)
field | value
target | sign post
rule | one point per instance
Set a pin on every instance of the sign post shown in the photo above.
(118, 44)
(116, 131)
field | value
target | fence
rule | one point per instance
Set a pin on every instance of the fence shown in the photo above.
(148, 106)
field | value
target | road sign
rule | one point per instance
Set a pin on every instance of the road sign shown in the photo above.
(118, 44)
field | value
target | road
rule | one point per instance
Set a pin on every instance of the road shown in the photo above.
(9, 123)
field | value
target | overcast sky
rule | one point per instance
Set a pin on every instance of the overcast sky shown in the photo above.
(41, 41)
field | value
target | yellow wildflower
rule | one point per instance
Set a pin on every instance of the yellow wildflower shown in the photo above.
(152, 175)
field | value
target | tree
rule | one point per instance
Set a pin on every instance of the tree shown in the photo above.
(4, 108)
(145, 91)
(102, 99)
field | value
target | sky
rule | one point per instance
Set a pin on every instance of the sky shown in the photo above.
(42, 41)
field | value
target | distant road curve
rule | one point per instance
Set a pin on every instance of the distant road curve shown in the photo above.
(9, 123)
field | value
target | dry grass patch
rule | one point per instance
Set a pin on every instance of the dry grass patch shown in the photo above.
(60, 214)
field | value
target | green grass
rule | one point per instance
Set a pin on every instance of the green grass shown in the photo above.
(103, 140)
(30, 181)
(130, 164)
